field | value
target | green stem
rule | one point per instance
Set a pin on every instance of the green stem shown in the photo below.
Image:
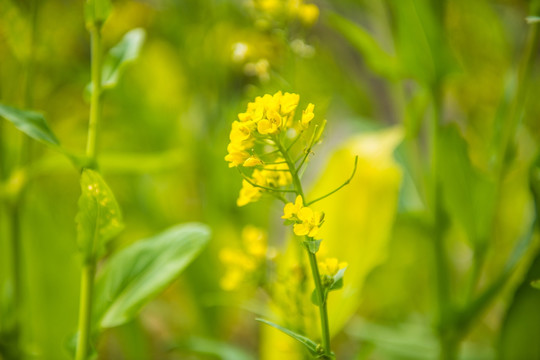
(85, 310)
(89, 268)
(323, 313)
(447, 347)
(95, 100)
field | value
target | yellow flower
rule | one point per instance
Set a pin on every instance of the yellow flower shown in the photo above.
(251, 161)
(308, 14)
(291, 210)
(238, 265)
(271, 125)
(289, 102)
(276, 175)
(254, 241)
(236, 158)
(307, 115)
(331, 266)
(310, 222)
(240, 132)
(248, 193)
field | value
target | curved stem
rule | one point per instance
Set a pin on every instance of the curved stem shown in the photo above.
(339, 187)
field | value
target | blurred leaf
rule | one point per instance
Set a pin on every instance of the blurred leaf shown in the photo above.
(532, 19)
(536, 284)
(420, 41)
(99, 218)
(468, 194)
(308, 343)
(136, 274)
(220, 349)
(31, 123)
(521, 326)
(360, 216)
(125, 52)
(97, 11)
(378, 60)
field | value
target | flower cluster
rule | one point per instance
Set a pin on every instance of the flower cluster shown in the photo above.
(240, 264)
(306, 220)
(261, 127)
(331, 272)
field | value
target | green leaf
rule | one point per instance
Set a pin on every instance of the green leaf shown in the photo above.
(532, 19)
(31, 123)
(220, 349)
(96, 12)
(536, 284)
(378, 60)
(469, 195)
(307, 342)
(123, 53)
(312, 245)
(338, 280)
(135, 275)
(99, 218)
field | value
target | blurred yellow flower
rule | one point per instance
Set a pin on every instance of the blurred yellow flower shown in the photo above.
(307, 115)
(255, 241)
(251, 161)
(331, 266)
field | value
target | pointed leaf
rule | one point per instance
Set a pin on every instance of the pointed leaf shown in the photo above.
(312, 245)
(99, 218)
(135, 275)
(308, 343)
(31, 123)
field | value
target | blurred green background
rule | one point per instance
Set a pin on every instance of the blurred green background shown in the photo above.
(380, 72)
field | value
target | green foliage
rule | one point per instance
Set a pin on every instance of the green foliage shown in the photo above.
(309, 344)
(99, 218)
(96, 12)
(31, 123)
(136, 274)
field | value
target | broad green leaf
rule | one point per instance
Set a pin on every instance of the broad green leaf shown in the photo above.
(96, 12)
(136, 274)
(359, 217)
(31, 123)
(469, 195)
(378, 60)
(308, 343)
(125, 52)
(99, 218)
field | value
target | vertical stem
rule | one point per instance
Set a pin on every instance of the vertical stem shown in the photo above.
(88, 271)
(95, 101)
(85, 310)
(323, 313)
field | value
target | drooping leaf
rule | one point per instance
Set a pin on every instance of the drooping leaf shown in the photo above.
(31, 123)
(133, 276)
(96, 12)
(99, 218)
(308, 343)
(378, 60)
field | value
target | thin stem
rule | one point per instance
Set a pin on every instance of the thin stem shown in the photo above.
(265, 187)
(95, 101)
(339, 187)
(85, 310)
(323, 313)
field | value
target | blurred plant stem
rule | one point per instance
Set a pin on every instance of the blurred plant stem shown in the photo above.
(323, 312)
(89, 266)
(14, 209)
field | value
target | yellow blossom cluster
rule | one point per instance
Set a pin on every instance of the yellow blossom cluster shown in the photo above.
(307, 221)
(240, 264)
(261, 126)
(331, 267)
(293, 9)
